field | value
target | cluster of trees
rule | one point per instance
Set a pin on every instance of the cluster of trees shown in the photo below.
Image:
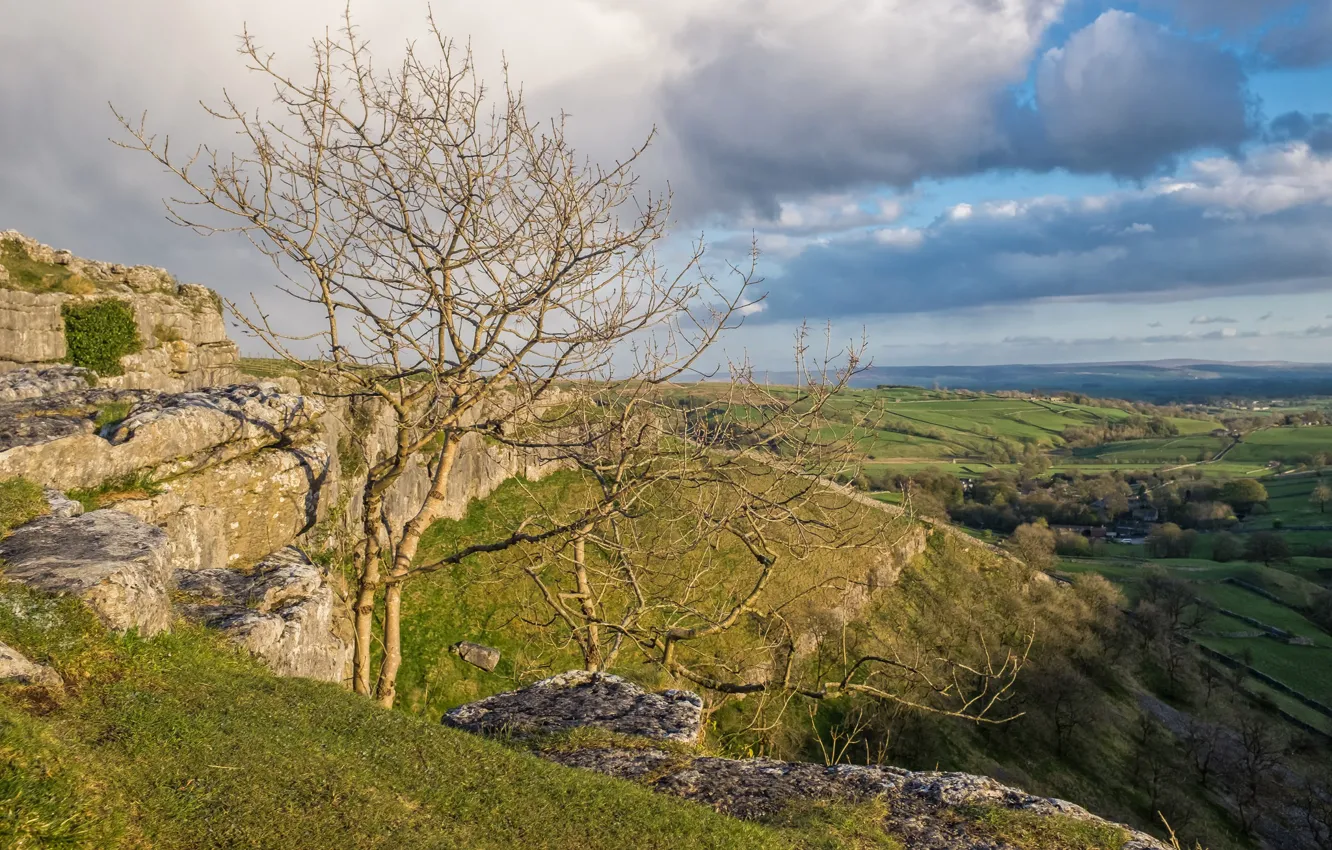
(1136, 426)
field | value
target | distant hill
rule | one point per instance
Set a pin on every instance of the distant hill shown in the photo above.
(1160, 380)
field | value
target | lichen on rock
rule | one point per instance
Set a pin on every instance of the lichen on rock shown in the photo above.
(923, 810)
(582, 699)
(285, 611)
(116, 564)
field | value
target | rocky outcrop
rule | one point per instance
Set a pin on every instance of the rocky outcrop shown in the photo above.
(181, 328)
(923, 810)
(16, 668)
(238, 512)
(581, 699)
(28, 383)
(285, 611)
(224, 477)
(116, 564)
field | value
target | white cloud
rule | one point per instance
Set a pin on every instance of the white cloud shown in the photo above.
(900, 237)
(1272, 179)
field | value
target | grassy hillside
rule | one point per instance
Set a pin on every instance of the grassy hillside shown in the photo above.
(178, 742)
(950, 600)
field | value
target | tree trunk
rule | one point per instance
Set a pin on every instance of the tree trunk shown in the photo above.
(387, 688)
(592, 656)
(367, 585)
(405, 552)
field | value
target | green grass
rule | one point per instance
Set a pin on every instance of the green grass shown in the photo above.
(111, 413)
(133, 485)
(179, 742)
(1306, 669)
(20, 501)
(1271, 696)
(32, 276)
(1028, 831)
(1250, 604)
(1155, 452)
(1284, 444)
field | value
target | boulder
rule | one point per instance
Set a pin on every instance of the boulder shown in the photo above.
(285, 612)
(926, 810)
(16, 668)
(578, 699)
(61, 505)
(116, 564)
(485, 657)
(238, 512)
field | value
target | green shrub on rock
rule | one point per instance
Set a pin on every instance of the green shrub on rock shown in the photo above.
(99, 333)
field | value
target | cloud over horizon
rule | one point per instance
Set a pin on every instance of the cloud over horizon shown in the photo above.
(891, 158)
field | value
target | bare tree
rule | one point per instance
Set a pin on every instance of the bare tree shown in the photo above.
(462, 266)
(722, 502)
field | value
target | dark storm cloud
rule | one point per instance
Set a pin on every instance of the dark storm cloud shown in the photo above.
(765, 118)
(1315, 129)
(1280, 33)
(1303, 43)
(1224, 15)
(1063, 251)
(1126, 96)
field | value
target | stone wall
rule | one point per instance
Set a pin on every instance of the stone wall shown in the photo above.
(181, 327)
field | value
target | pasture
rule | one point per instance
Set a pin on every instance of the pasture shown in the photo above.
(1307, 669)
(1289, 445)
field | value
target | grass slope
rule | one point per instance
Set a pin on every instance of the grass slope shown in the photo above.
(178, 742)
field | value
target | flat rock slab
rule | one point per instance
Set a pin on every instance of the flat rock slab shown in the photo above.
(927, 811)
(35, 383)
(116, 564)
(16, 668)
(284, 611)
(32, 421)
(579, 699)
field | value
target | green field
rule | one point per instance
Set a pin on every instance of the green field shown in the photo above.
(1283, 444)
(1288, 501)
(1307, 669)
(1191, 448)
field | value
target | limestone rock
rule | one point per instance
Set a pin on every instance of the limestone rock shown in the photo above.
(577, 699)
(34, 383)
(61, 505)
(31, 327)
(237, 512)
(485, 657)
(116, 564)
(925, 811)
(51, 439)
(15, 667)
(182, 426)
(181, 326)
(285, 612)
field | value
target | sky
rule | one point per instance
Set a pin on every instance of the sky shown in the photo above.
(959, 181)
